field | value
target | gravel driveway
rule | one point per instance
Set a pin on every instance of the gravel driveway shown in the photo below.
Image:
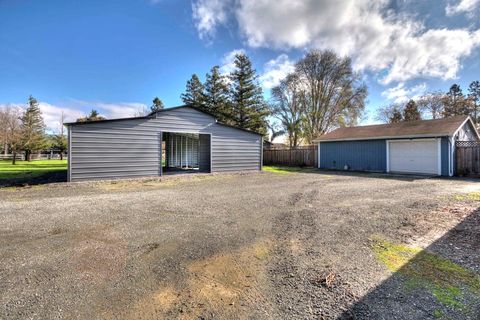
(262, 245)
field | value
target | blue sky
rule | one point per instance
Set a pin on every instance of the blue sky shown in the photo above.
(115, 56)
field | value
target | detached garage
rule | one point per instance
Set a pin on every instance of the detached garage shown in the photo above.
(418, 147)
(175, 140)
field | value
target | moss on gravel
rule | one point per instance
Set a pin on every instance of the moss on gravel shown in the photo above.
(287, 170)
(448, 282)
(475, 196)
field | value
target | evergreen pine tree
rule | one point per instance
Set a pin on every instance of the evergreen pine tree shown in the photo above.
(455, 102)
(194, 93)
(217, 96)
(32, 128)
(92, 116)
(157, 105)
(249, 110)
(411, 113)
(474, 96)
(396, 116)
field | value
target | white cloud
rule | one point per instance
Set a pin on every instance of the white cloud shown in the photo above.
(51, 114)
(401, 94)
(462, 6)
(276, 70)
(120, 110)
(75, 109)
(207, 15)
(228, 61)
(109, 110)
(394, 44)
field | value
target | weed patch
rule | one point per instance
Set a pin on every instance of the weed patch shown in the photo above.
(473, 196)
(451, 284)
(286, 170)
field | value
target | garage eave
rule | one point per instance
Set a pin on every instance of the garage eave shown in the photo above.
(385, 138)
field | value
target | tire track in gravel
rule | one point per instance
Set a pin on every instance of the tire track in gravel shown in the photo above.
(294, 269)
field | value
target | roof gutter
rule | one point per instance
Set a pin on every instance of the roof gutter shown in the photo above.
(387, 137)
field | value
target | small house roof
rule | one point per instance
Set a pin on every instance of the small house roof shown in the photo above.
(407, 129)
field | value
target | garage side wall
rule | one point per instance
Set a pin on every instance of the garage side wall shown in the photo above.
(131, 148)
(118, 149)
(235, 150)
(362, 155)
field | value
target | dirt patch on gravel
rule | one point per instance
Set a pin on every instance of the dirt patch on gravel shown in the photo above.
(98, 255)
(214, 287)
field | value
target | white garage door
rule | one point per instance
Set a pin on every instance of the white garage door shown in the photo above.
(415, 156)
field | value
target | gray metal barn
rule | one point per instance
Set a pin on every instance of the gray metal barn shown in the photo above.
(180, 139)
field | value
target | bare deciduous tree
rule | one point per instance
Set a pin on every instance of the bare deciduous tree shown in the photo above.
(390, 114)
(4, 130)
(287, 108)
(333, 94)
(11, 133)
(432, 104)
(60, 140)
(275, 130)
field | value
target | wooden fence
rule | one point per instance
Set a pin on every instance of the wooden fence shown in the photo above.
(300, 156)
(468, 158)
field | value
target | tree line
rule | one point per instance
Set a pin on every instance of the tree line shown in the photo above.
(235, 99)
(321, 93)
(24, 131)
(436, 105)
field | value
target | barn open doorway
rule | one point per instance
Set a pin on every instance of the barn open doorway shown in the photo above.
(185, 153)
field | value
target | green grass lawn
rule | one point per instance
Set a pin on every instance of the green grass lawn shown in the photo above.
(287, 170)
(24, 171)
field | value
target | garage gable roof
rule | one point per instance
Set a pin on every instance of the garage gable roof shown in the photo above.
(411, 129)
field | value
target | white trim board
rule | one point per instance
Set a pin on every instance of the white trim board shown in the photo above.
(463, 123)
(318, 154)
(451, 155)
(439, 153)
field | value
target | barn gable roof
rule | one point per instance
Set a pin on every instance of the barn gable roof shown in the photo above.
(153, 115)
(408, 129)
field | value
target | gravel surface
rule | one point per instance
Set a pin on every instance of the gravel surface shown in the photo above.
(260, 245)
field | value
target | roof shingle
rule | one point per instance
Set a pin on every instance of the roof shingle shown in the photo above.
(422, 128)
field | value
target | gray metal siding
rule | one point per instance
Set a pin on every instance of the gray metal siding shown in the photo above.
(235, 150)
(362, 155)
(131, 148)
(114, 149)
